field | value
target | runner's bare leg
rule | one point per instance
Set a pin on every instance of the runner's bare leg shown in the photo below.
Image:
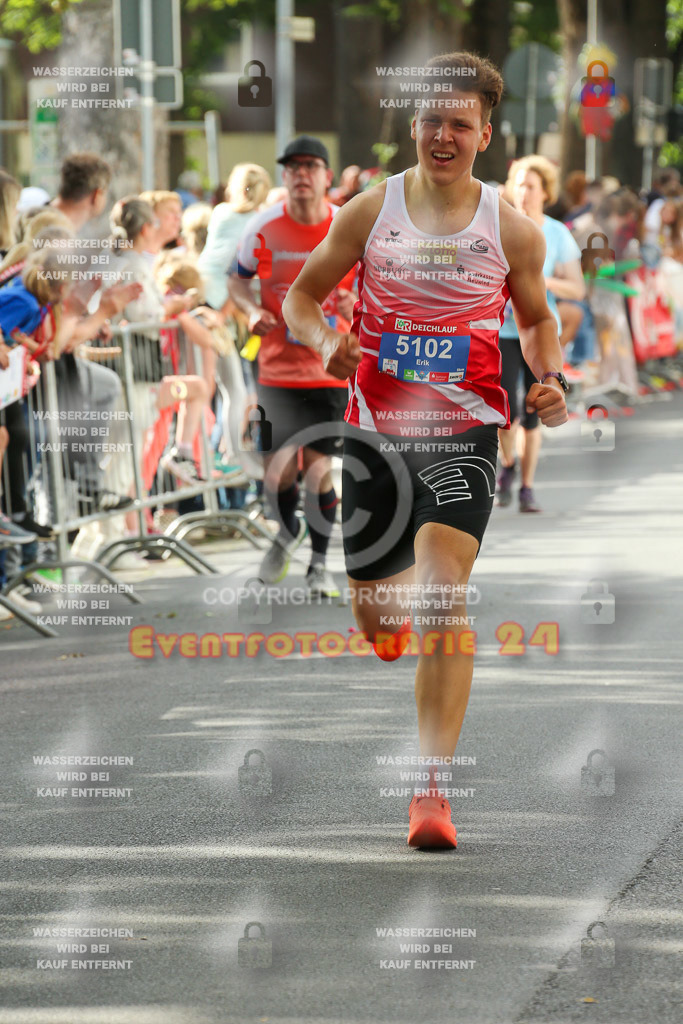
(444, 558)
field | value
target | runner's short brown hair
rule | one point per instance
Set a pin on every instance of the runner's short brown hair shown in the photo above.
(81, 174)
(472, 74)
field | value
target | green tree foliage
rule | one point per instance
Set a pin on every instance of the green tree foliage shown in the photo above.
(37, 24)
(672, 152)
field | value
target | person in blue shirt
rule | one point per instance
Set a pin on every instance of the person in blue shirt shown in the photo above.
(531, 185)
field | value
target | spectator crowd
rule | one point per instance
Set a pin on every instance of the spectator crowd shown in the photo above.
(613, 273)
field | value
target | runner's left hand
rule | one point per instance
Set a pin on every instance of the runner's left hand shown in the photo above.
(548, 401)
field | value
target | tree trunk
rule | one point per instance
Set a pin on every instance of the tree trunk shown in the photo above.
(487, 34)
(114, 134)
(358, 41)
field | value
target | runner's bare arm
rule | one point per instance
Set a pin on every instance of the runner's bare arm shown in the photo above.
(340, 250)
(260, 321)
(524, 248)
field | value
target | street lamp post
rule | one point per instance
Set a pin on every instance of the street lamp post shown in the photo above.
(284, 77)
(146, 73)
(591, 140)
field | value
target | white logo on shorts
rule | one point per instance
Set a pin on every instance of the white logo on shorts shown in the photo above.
(448, 482)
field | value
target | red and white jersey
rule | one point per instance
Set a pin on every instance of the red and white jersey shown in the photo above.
(415, 291)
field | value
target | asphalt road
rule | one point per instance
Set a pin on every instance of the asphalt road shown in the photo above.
(183, 860)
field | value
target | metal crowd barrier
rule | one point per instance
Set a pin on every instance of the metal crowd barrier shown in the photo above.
(94, 431)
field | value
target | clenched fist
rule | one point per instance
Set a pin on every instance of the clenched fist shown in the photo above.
(548, 401)
(341, 355)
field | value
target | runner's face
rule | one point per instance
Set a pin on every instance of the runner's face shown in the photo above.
(450, 136)
(528, 193)
(306, 177)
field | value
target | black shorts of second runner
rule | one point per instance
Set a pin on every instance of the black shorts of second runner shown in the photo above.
(291, 410)
(513, 362)
(391, 486)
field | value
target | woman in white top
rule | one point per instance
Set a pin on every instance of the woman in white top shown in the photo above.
(247, 188)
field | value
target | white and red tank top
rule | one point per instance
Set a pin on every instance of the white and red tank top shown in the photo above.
(427, 318)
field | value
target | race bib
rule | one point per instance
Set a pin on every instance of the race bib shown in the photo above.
(423, 353)
(331, 320)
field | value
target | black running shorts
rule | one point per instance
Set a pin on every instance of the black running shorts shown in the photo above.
(392, 485)
(315, 413)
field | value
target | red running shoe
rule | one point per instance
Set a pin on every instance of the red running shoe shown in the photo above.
(393, 648)
(430, 823)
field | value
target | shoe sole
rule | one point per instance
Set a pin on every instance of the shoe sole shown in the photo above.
(290, 552)
(431, 834)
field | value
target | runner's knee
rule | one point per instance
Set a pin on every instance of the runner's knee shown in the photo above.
(444, 580)
(369, 608)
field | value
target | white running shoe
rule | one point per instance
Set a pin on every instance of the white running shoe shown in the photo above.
(275, 564)
(319, 580)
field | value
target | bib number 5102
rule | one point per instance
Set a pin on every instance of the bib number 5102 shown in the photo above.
(433, 347)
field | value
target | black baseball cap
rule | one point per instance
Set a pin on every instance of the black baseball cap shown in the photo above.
(305, 145)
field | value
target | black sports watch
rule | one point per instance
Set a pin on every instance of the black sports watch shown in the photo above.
(564, 383)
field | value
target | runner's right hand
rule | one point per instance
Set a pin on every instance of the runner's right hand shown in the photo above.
(261, 322)
(341, 355)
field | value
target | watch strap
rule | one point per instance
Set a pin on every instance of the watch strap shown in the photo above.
(558, 375)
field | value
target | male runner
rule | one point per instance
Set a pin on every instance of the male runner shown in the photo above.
(293, 388)
(440, 253)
